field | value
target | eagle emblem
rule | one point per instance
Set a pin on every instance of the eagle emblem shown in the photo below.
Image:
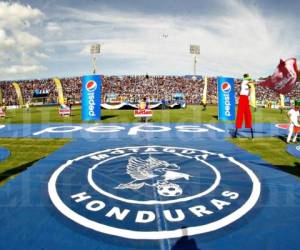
(156, 173)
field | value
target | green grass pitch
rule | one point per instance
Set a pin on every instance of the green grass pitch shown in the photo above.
(192, 114)
(27, 151)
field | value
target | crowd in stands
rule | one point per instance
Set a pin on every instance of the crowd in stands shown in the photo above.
(29, 90)
(8, 92)
(157, 88)
(33, 88)
(71, 88)
(129, 88)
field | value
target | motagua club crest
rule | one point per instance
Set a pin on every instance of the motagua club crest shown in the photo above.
(152, 192)
(160, 173)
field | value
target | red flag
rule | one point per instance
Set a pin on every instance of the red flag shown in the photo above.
(284, 78)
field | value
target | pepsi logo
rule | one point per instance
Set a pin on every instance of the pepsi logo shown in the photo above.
(226, 87)
(282, 125)
(91, 86)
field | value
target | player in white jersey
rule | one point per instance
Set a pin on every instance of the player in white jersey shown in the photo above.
(294, 115)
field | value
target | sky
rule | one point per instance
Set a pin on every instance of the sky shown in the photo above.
(41, 39)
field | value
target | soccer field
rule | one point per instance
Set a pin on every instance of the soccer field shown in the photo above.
(24, 153)
(270, 149)
(149, 125)
(86, 159)
(192, 114)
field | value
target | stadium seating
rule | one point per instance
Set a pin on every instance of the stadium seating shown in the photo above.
(128, 88)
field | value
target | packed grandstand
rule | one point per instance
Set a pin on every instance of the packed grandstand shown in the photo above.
(127, 89)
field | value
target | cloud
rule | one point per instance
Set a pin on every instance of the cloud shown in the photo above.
(20, 49)
(242, 39)
(234, 38)
(26, 41)
(85, 51)
(21, 69)
(16, 15)
(40, 55)
(6, 41)
(53, 27)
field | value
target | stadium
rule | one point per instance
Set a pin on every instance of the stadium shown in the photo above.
(98, 159)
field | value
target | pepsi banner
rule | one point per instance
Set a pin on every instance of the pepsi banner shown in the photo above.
(91, 97)
(226, 99)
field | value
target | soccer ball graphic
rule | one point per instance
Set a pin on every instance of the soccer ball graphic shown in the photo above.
(169, 189)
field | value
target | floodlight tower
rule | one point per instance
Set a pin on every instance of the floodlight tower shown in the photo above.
(194, 50)
(94, 50)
